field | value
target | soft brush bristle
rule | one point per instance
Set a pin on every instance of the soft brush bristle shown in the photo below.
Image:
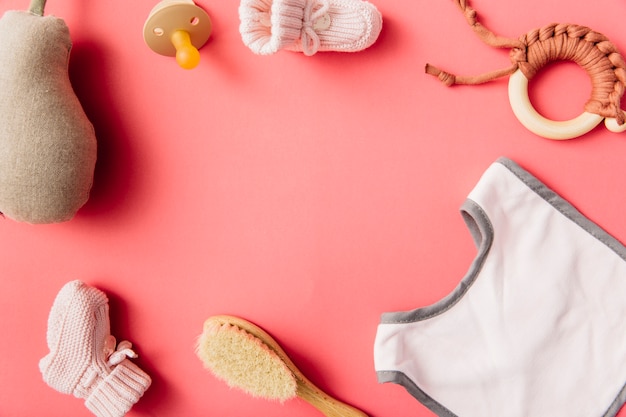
(245, 362)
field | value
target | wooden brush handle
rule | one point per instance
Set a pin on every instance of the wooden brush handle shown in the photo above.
(329, 406)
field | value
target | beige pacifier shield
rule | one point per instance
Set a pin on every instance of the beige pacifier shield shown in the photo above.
(171, 15)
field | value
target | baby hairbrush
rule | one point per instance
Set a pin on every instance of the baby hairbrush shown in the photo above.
(246, 357)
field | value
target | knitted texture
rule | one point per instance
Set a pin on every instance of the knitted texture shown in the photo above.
(308, 26)
(555, 42)
(47, 144)
(83, 360)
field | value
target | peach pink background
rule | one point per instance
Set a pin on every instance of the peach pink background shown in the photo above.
(308, 195)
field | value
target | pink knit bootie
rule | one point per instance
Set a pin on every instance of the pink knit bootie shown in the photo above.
(83, 360)
(308, 26)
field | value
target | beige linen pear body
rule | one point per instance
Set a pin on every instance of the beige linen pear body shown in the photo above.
(47, 143)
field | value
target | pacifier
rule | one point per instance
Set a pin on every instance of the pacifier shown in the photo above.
(178, 28)
(532, 52)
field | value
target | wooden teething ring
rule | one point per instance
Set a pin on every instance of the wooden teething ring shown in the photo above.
(539, 125)
(556, 42)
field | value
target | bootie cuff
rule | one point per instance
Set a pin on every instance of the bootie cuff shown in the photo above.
(268, 26)
(119, 391)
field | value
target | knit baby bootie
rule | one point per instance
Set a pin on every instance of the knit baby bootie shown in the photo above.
(308, 26)
(83, 358)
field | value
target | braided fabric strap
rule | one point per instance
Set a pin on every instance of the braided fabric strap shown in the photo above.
(555, 42)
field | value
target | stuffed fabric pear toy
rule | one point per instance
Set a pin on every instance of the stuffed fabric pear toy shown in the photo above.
(47, 144)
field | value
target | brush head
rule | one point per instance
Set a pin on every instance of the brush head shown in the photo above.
(243, 360)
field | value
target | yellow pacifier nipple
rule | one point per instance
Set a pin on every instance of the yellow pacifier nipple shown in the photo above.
(187, 55)
(178, 28)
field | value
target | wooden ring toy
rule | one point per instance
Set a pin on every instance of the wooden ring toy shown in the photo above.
(532, 52)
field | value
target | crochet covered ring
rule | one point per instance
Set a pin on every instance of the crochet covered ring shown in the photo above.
(531, 52)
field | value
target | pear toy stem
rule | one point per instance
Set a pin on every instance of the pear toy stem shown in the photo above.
(37, 6)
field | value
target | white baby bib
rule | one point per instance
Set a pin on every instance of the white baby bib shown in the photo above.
(536, 328)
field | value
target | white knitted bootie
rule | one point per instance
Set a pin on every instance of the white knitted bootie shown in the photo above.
(308, 26)
(83, 360)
